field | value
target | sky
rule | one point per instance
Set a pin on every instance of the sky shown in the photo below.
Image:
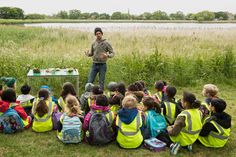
(51, 7)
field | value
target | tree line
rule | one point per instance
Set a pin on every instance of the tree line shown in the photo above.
(18, 13)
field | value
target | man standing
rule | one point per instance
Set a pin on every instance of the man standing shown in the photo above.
(100, 51)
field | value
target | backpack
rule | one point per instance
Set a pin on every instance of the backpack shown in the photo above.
(156, 123)
(55, 119)
(11, 122)
(71, 129)
(100, 128)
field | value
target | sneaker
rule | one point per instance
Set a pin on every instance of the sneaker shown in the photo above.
(174, 148)
(190, 148)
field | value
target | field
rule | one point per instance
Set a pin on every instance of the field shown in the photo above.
(187, 59)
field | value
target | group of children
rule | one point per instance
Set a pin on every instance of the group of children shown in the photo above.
(128, 115)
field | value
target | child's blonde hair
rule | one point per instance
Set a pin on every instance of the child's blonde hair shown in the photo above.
(210, 90)
(72, 104)
(129, 102)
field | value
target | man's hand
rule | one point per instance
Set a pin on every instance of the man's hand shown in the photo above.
(86, 53)
(104, 56)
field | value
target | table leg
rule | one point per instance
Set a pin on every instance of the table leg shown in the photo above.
(77, 85)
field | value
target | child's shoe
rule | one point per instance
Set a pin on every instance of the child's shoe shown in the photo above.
(174, 148)
(190, 148)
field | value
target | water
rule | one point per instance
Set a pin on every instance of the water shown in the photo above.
(113, 27)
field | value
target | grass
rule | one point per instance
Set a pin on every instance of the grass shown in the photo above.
(187, 59)
(181, 57)
(29, 143)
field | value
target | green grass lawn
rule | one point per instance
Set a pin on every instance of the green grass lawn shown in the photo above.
(29, 143)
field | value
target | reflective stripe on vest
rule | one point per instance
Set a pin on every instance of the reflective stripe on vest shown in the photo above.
(12, 105)
(26, 104)
(125, 133)
(220, 130)
(158, 96)
(110, 117)
(206, 105)
(48, 115)
(169, 114)
(189, 119)
(91, 102)
(61, 103)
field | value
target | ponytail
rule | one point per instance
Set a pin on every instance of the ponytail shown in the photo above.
(72, 104)
(41, 108)
(196, 104)
(191, 100)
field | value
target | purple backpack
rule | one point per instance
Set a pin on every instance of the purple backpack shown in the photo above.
(100, 129)
(55, 119)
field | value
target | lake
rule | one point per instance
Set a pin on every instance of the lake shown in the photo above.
(136, 26)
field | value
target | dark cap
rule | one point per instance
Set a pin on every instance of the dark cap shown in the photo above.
(97, 29)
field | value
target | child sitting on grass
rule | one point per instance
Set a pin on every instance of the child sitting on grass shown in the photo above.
(116, 100)
(155, 122)
(187, 126)
(170, 107)
(26, 99)
(96, 90)
(159, 95)
(68, 88)
(135, 89)
(129, 122)
(42, 110)
(70, 126)
(99, 122)
(111, 89)
(84, 97)
(145, 90)
(209, 91)
(10, 82)
(216, 128)
(9, 101)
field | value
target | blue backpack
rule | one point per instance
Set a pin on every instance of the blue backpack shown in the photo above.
(11, 122)
(71, 129)
(156, 123)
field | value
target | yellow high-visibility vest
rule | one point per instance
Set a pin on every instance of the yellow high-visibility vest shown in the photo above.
(170, 111)
(189, 134)
(215, 139)
(44, 123)
(129, 135)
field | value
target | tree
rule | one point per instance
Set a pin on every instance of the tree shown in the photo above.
(124, 16)
(74, 14)
(62, 15)
(104, 16)
(146, 16)
(190, 16)
(160, 15)
(35, 16)
(84, 16)
(205, 16)
(11, 13)
(221, 15)
(116, 15)
(94, 15)
(177, 16)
